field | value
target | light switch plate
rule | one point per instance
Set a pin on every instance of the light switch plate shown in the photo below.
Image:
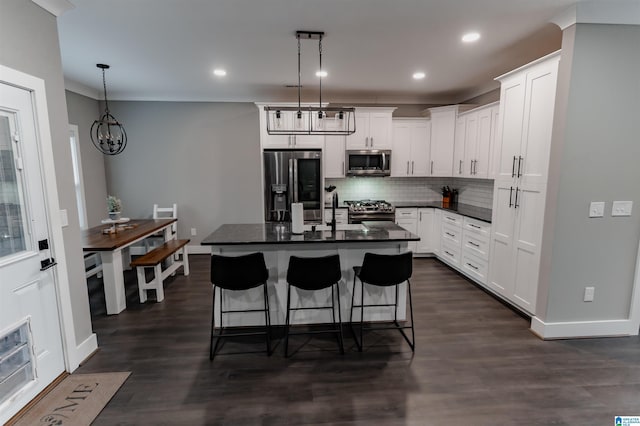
(64, 218)
(596, 209)
(621, 208)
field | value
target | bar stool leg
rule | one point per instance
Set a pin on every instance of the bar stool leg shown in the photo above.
(339, 319)
(395, 313)
(213, 319)
(361, 316)
(215, 348)
(287, 323)
(267, 319)
(413, 334)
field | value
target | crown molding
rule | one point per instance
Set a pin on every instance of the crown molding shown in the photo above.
(616, 12)
(55, 7)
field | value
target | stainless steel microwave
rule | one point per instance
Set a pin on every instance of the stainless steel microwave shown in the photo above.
(372, 162)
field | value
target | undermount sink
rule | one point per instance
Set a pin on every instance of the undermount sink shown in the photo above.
(341, 227)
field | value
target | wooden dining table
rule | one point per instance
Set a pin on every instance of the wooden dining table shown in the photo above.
(113, 250)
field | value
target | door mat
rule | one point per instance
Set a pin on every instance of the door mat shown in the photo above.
(76, 401)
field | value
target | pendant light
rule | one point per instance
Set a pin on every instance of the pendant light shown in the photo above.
(310, 120)
(107, 133)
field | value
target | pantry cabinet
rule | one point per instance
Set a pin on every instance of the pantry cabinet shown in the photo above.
(526, 111)
(373, 129)
(410, 150)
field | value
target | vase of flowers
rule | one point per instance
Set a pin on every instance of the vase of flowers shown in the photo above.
(114, 207)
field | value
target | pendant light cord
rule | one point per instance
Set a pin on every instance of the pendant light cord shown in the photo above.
(104, 85)
(320, 51)
(298, 72)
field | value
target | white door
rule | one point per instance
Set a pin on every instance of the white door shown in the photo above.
(360, 139)
(401, 158)
(26, 291)
(333, 156)
(483, 150)
(425, 231)
(511, 123)
(458, 146)
(443, 126)
(470, 144)
(380, 130)
(501, 260)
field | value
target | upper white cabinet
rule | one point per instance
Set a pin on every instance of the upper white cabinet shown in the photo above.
(287, 120)
(333, 154)
(443, 137)
(526, 107)
(411, 144)
(474, 142)
(524, 137)
(373, 129)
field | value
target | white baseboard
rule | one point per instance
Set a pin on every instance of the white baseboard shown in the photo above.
(578, 329)
(196, 249)
(83, 350)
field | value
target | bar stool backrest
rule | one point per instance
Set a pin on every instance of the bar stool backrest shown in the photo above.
(386, 270)
(238, 272)
(314, 273)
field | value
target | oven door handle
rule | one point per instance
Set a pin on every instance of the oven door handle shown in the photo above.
(384, 161)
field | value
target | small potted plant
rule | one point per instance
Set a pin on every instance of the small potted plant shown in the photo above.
(114, 206)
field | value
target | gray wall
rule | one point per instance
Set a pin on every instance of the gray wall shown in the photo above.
(596, 152)
(29, 37)
(82, 112)
(485, 98)
(203, 156)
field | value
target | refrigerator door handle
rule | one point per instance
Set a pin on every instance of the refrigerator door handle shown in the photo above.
(291, 183)
(295, 180)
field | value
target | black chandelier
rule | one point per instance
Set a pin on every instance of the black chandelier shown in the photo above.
(310, 120)
(107, 134)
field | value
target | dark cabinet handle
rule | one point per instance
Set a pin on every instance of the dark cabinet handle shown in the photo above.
(471, 168)
(449, 253)
(510, 196)
(515, 205)
(474, 267)
(513, 167)
(431, 166)
(519, 165)
(473, 244)
(460, 168)
(450, 234)
(475, 226)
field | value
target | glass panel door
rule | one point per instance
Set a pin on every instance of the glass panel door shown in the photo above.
(13, 223)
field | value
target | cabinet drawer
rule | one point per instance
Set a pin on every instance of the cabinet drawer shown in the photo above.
(451, 234)
(475, 244)
(342, 216)
(475, 267)
(450, 253)
(406, 214)
(477, 226)
(452, 219)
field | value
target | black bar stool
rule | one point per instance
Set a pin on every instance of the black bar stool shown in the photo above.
(238, 273)
(383, 271)
(315, 273)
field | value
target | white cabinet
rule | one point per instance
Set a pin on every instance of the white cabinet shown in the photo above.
(443, 122)
(451, 238)
(373, 129)
(475, 249)
(527, 98)
(426, 231)
(411, 144)
(333, 154)
(437, 230)
(408, 219)
(342, 216)
(526, 111)
(474, 136)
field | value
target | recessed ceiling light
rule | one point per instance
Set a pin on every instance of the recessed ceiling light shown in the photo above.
(419, 75)
(219, 72)
(321, 73)
(471, 37)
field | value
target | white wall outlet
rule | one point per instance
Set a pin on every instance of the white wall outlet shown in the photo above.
(193, 232)
(596, 209)
(589, 292)
(621, 208)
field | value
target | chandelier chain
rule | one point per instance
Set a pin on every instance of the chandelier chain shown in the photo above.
(104, 85)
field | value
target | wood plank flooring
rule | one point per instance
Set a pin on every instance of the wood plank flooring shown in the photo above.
(476, 363)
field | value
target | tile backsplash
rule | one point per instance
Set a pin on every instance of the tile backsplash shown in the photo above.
(475, 192)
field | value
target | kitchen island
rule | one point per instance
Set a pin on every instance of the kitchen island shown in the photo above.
(278, 243)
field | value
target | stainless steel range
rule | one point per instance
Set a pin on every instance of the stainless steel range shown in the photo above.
(362, 210)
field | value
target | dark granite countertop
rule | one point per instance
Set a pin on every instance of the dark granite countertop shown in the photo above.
(462, 209)
(273, 233)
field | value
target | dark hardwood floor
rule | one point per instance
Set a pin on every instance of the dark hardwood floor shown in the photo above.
(476, 363)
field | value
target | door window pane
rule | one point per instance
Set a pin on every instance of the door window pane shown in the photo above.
(12, 221)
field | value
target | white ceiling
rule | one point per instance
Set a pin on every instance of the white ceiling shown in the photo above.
(167, 49)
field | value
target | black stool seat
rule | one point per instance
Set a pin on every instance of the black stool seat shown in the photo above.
(238, 273)
(312, 274)
(383, 271)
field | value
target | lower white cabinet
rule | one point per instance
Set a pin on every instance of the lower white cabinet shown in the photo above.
(465, 245)
(426, 231)
(408, 219)
(342, 216)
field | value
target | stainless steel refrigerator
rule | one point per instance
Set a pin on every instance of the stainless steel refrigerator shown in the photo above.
(292, 176)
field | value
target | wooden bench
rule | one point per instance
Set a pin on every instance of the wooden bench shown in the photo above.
(154, 259)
